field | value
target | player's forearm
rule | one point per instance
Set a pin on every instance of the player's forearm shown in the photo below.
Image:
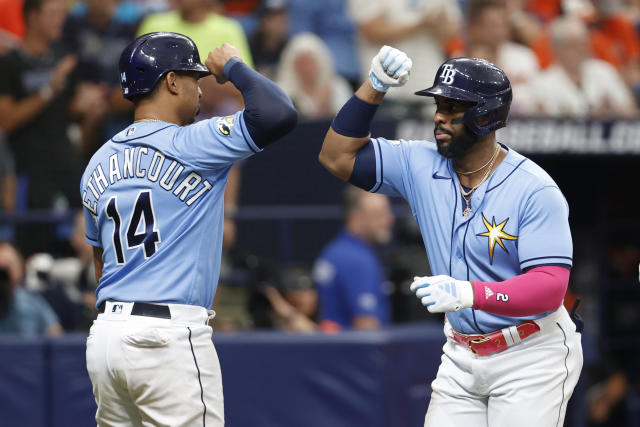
(380, 31)
(269, 113)
(367, 93)
(97, 262)
(8, 193)
(349, 132)
(539, 290)
(54, 330)
(365, 322)
(14, 115)
(232, 189)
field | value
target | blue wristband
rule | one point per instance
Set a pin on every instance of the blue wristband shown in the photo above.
(354, 118)
(230, 63)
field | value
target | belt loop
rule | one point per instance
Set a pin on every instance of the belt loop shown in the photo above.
(511, 335)
(211, 314)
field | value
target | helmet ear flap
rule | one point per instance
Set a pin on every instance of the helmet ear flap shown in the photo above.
(487, 116)
(475, 80)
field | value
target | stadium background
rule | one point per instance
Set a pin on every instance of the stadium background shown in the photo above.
(277, 378)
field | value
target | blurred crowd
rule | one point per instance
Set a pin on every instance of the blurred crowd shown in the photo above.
(59, 84)
(60, 99)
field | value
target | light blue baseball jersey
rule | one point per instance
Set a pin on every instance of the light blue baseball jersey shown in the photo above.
(153, 200)
(519, 219)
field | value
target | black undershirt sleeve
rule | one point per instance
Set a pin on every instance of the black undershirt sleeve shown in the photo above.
(269, 113)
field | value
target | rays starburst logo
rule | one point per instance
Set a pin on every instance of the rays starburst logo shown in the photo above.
(495, 234)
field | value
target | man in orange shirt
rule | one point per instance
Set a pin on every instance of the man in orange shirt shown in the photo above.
(12, 19)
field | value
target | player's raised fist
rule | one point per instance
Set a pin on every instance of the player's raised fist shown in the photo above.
(389, 68)
(218, 57)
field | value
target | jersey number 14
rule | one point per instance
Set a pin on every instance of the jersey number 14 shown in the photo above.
(142, 211)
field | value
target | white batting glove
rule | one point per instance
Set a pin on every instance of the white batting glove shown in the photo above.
(389, 68)
(443, 293)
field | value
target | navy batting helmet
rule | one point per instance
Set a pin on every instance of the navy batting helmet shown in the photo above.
(478, 81)
(151, 56)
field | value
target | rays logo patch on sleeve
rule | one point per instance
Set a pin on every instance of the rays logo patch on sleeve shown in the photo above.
(225, 124)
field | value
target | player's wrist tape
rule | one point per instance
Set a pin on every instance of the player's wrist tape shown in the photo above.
(376, 83)
(354, 118)
(467, 294)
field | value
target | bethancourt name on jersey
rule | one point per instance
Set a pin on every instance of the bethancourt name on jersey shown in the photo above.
(188, 190)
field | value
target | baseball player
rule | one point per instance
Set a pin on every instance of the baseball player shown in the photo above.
(496, 231)
(153, 203)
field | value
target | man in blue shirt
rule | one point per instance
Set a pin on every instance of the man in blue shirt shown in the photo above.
(496, 230)
(348, 273)
(153, 203)
(22, 312)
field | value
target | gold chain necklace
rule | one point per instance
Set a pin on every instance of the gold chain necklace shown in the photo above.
(466, 194)
(147, 120)
(480, 168)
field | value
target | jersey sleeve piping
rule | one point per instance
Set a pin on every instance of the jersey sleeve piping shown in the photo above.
(381, 169)
(539, 190)
(506, 177)
(547, 264)
(92, 242)
(549, 259)
(247, 136)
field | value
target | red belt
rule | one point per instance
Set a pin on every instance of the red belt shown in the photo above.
(483, 345)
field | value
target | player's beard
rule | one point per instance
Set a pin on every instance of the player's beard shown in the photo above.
(458, 145)
(195, 116)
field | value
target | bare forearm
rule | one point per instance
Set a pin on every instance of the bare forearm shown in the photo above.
(14, 115)
(367, 93)
(8, 191)
(615, 388)
(232, 189)
(448, 29)
(381, 31)
(365, 323)
(339, 152)
(97, 262)
(54, 330)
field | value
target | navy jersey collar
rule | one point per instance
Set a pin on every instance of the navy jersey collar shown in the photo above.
(140, 130)
(502, 172)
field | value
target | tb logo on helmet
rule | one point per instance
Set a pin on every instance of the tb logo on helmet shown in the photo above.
(447, 74)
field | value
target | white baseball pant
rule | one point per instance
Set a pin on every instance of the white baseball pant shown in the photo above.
(149, 371)
(526, 385)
